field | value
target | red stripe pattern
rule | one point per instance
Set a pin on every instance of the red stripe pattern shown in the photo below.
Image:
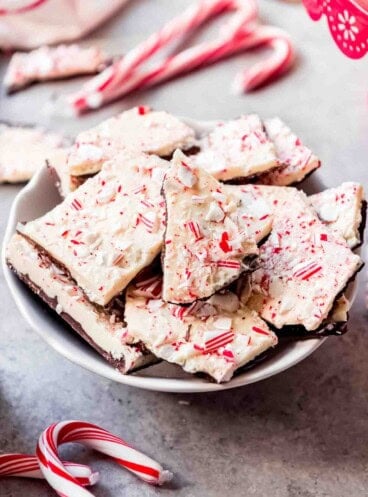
(26, 466)
(242, 33)
(307, 271)
(62, 479)
(23, 7)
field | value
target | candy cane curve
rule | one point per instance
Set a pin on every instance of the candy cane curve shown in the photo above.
(27, 6)
(209, 52)
(109, 84)
(26, 466)
(277, 63)
(98, 439)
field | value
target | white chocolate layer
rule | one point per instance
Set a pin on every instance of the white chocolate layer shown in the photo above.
(138, 129)
(206, 240)
(47, 63)
(340, 209)
(297, 159)
(255, 211)
(108, 335)
(304, 266)
(105, 232)
(23, 150)
(204, 338)
(237, 149)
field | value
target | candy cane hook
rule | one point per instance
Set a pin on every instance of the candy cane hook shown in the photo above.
(64, 483)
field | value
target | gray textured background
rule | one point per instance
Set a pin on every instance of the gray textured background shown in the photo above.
(303, 433)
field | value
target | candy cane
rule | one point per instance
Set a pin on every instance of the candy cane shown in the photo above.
(278, 63)
(26, 466)
(208, 53)
(64, 483)
(109, 84)
(24, 7)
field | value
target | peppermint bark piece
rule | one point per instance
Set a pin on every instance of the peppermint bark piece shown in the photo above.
(206, 245)
(203, 338)
(304, 267)
(140, 129)
(24, 149)
(49, 63)
(237, 149)
(102, 329)
(105, 232)
(297, 160)
(342, 209)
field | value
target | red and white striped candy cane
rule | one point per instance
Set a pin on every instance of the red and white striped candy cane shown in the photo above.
(207, 53)
(26, 466)
(276, 64)
(21, 8)
(114, 81)
(96, 438)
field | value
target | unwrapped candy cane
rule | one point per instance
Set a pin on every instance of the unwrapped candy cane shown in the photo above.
(63, 481)
(241, 33)
(26, 466)
(208, 53)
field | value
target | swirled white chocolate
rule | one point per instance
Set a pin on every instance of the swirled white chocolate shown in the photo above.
(296, 159)
(203, 338)
(105, 232)
(23, 150)
(206, 240)
(237, 149)
(48, 63)
(139, 129)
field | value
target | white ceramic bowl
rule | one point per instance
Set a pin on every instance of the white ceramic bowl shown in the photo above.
(39, 196)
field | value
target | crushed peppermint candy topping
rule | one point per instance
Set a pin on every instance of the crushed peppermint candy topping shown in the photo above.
(138, 130)
(195, 270)
(150, 287)
(216, 343)
(341, 208)
(195, 229)
(299, 277)
(48, 63)
(215, 340)
(215, 213)
(186, 175)
(94, 233)
(306, 270)
(237, 149)
(296, 159)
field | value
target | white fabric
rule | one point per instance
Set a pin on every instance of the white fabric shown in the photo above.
(52, 21)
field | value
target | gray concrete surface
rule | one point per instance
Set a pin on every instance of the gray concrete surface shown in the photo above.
(303, 433)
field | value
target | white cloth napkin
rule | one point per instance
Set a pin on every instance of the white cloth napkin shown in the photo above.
(51, 21)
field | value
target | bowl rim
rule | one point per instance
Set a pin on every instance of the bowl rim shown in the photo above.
(92, 361)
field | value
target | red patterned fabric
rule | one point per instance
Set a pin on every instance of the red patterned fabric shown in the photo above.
(348, 23)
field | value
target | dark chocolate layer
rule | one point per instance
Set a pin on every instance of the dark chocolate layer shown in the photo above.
(52, 303)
